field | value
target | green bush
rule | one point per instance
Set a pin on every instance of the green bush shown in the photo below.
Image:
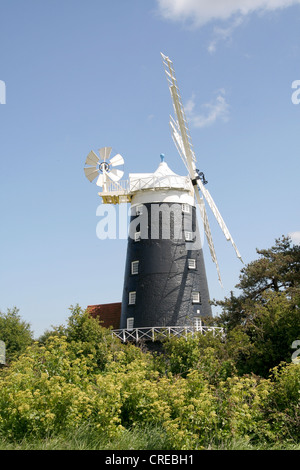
(80, 386)
(15, 333)
(284, 401)
(53, 390)
(48, 390)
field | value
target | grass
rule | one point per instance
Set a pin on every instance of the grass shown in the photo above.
(147, 438)
(241, 444)
(151, 438)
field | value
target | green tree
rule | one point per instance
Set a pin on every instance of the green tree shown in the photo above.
(277, 269)
(15, 333)
(265, 317)
(86, 336)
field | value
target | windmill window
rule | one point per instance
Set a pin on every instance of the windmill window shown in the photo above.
(139, 209)
(196, 299)
(130, 322)
(137, 236)
(188, 236)
(135, 267)
(191, 263)
(197, 323)
(186, 208)
(132, 298)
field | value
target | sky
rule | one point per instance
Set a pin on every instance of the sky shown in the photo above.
(79, 75)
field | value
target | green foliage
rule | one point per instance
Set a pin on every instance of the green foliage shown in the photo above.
(205, 353)
(88, 338)
(284, 401)
(80, 387)
(277, 269)
(52, 390)
(266, 315)
(48, 390)
(15, 333)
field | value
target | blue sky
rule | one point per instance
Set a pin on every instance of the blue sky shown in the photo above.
(81, 75)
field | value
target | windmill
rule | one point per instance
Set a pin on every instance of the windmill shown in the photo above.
(165, 282)
(182, 140)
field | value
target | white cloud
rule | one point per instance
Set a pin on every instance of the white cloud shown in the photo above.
(211, 111)
(295, 236)
(200, 12)
(223, 34)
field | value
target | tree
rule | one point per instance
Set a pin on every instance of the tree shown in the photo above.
(15, 333)
(277, 269)
(86, 336)
(266, 315)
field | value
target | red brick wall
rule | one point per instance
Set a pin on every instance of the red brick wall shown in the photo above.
(108, 314)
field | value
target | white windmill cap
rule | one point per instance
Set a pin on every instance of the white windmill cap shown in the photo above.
(162, 185)
(162, 178)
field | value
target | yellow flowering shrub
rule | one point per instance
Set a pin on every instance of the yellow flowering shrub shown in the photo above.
(241, 406)
(54, 388)
(48, 390)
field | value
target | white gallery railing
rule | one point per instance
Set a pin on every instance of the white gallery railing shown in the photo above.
(161, 332)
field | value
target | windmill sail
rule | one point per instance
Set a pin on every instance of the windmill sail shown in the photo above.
(180, 114)
(92, 159)
(179, 144)
(91, 173)
(182, 139)
(175, 131)
(218, 216)
(208, 233)
(105, 153)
